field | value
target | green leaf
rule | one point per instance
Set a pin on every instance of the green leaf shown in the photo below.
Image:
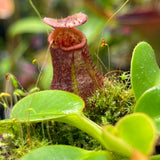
(149, 103)
(114, 143)
(145, 71)
(62, 152)
(47, 105)
(133, 132)
(139, 131)
(28, 25)
(58, 105)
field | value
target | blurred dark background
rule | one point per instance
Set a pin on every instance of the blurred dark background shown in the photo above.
(23, 36)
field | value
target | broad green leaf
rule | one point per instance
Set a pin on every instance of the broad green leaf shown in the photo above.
(28, 25)
(133, 132)
(54, 105)
(114, 143)
(44, 105)
(149, 103)
(139, 131)
(62, 152)
(145, 71)
(47, 105)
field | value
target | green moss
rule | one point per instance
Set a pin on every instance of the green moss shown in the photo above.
(113, 101)
(107, 105)
(13, 147)
(65, 134)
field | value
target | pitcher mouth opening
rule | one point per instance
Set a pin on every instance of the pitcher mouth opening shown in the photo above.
(67, 39)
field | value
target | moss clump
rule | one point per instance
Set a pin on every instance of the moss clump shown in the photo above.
(62, 133)
(113, 101)
(12, 147)
(106, 106)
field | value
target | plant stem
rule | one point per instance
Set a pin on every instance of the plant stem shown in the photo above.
(86, 125)
(35, 9)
